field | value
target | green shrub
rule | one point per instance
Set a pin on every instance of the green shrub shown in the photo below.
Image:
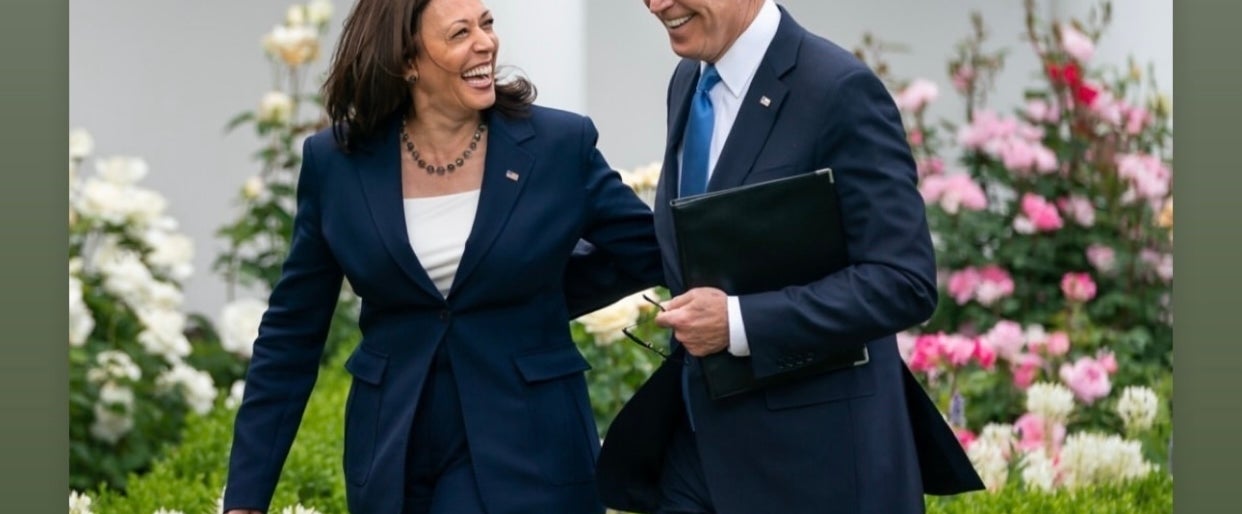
(1153, 494)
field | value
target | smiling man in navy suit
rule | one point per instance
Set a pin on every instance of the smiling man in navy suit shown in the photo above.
(756, 98)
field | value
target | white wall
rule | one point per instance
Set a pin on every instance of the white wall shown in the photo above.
(159, 78)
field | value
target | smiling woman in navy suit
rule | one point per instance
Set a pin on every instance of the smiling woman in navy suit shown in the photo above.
(452, 205)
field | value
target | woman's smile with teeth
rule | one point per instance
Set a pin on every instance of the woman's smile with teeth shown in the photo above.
(484, 70)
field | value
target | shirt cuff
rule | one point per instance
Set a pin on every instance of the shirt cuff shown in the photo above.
(738, 346)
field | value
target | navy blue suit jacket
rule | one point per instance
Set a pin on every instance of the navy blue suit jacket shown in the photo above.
(532, 436)
(855, 440)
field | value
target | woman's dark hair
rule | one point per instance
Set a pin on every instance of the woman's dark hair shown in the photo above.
(366, 83)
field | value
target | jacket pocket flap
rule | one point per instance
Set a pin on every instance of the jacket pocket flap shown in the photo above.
(829, 387)
(367, 366)
(549, 364)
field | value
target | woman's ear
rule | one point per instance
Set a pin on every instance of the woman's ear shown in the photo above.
(411, 72)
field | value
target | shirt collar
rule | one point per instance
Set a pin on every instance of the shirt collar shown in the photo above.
(739, 64)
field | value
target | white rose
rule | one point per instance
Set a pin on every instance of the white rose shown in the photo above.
(236, 393)
(110, 426)
(195, 386)
(164, 335)
(79, 503)
(605, 324)
(295, 45)
(113, 365)
(114, 395)
(276, 107)
(239, 326)
(81, 144)
(103, 200)
(81, 321)
(122, 171)
(171, 253)
(295, 16)
(253, 188)
(144, 206)
(125, 276)
(319, 12)
(162, 296)
(167, 511)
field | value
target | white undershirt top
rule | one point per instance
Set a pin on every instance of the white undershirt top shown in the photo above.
(438, 227)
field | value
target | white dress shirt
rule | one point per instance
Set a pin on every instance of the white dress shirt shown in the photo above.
(737, 68)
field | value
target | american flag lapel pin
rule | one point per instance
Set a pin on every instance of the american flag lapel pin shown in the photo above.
(511, 175)
(765, 101)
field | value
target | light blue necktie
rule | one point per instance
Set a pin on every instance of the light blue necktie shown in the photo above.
(698, 139)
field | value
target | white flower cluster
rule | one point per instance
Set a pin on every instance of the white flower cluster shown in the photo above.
(131, 253)
(296, 42)
(990, 461)
(239, 326)
(1038, 470)
(1137, 408)
(194, 385)
(1053, 402)
(1090, 459)
(79, 503)
(605, 324)
(298, 509)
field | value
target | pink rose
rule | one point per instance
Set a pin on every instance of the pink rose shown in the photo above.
(926, 354)
(1006, 338)
(1087, 378)
(954, 192)
(1033, 432)
(1025, 368)
(962, 77)
(984, 355)
(965, 437)
(957, 349)
(1042, 214)
(1058, 344)
(1103, 258)
(1078, 287)
(1136, 119)
(1076, 44)
(1079, 209)
(995, 283)
(917, 95)
(962, 285)
(1107, 360)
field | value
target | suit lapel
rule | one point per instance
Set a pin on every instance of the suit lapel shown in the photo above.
(379, 169)
(759, 109)
(680, 90)
(506, 171)
(680, 93)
